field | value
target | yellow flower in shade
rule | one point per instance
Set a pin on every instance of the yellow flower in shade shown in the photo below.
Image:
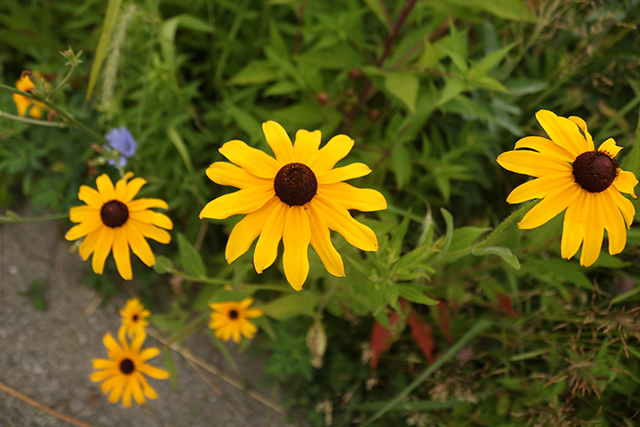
(296, 197)
(571, 174)
(113, 220)
(23, 103)
(229, 319)
(121, 374)
(133, 317)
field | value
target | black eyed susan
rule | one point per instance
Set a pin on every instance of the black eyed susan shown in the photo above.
(133, 317)
(229, 320)
(571, 174)
(22, 102)
(113, 220)
(296, 197)
(122, 374)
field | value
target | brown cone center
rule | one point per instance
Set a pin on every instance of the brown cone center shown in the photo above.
(114, 213)
(295, 184)
(595, 171)
(233, 314)
(126, 366)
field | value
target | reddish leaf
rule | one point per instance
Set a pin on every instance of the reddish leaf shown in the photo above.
(382, 339)
(505, 303)
(445, 321)
(421, 333)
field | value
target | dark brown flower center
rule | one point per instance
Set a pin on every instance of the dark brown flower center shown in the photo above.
(135, 318)
(233, 314)
(114, 213)
(595, 171)
(126, 366)
(295, 184)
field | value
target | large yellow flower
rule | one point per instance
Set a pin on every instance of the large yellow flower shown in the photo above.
(121, 374)
(571, 174)
(112, 219)
(229, 319)
(22, 102)
(134, 317)
(296, 197)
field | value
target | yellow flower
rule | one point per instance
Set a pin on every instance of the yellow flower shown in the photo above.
(570, 174)
(133, 317)
(121, 374)
(296, 197)
(229, 319)
(112, 219)
(23, 103)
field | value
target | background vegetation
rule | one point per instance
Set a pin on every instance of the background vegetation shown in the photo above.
(432, 92)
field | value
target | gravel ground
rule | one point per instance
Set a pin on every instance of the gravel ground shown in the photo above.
(47, 355)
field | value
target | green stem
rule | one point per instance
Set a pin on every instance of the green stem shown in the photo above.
(61, 113)
(62, 83)
(4, 219)
(198, 279)
(31, 121)
(201, 320)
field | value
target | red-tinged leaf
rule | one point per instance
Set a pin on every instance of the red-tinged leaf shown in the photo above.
(382, 338)
(505, 303)
(444, 320)
(421, 333)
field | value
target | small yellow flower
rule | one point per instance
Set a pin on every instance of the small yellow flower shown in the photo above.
(229, 319)
(122, 374)
(296, 197)
(571, 174)
(23, 103)
(113, 220)
(133, 317)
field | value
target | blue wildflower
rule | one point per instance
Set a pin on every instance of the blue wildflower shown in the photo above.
(121, 140)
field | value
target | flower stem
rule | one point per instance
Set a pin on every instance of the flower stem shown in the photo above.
(13, 218)
(31, 121)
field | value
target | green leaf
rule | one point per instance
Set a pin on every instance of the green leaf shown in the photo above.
(565, 271)
(171, 367)
(255, 72)
(169, 29)
(291, 305)
(492, 59)
(458, 60)
(401, 162)
(398, 235)
(502, 252)
(178, 142)
(413, 294)
(376, 8)
(515, 10)
(163, 265)
(337, 57)
(488, 82)
(190, 258)
(524, 86)
(110, 18)
(403, 85)
(463, 237)
(452, 88)
(448, 219)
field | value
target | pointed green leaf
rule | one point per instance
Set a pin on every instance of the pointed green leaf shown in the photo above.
(291, 305)
(110, 18)
(504, 253)
(404, 86)
(190, 258)
(413, 294)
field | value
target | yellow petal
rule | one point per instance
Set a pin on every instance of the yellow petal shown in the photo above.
(350, 197)
(104, 364)
(246, 231)
(594, 232)
(613, 223)
(531, 163)
(254, 161)
(296, 238)
(111, 344)
(153, 372)
(139, 245)
(575, 220)
(22, 103)
(321, 242)
(136, 391)
(625, 206)
(610, 147)
(625, 182)
(91, 197)
(105, 187)
(279, 142)
(549, 207)
(583, 125)
(83, 213)
(151, 217)
(354, 170)
(545, 146)
(100, 376)
(540, 187)
(242, 201)
(121, 185)
(35, 111)
(133, 187)
(126, 396)
(339, 219)
(118, 385)
(267, 247)
(147, 389)
(143, 204)
(83, 229)
(103, 247)
(563, 132)
(224, 173)
(333, 151)
(306, 145)
(88, 245)
(150, 231)
(121, 253)
(148, 353)
(245, 303)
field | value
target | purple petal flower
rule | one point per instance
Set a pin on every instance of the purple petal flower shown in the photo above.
(121, 140)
